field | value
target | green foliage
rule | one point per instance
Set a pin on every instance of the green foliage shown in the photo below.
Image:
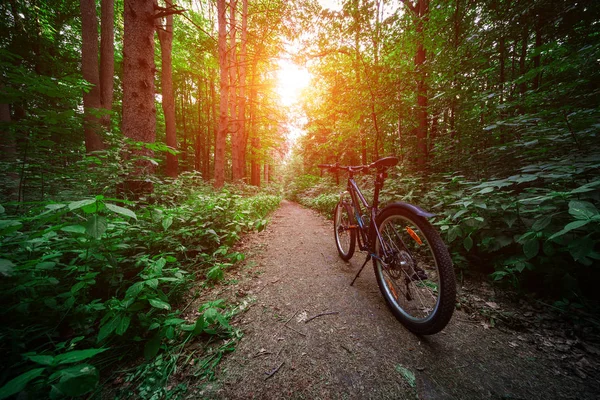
(539, 227)
(109, 273)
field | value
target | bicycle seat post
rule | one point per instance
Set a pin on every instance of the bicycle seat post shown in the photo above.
(381, 175)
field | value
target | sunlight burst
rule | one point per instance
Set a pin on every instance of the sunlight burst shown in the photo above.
(291, 79)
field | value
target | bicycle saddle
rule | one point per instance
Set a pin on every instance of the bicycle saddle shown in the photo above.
(385, 162)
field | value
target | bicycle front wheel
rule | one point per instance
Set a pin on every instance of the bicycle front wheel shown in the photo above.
(344, 231)
(414, 273)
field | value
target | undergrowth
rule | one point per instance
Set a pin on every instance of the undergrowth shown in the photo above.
(538, 228)
(95, 282)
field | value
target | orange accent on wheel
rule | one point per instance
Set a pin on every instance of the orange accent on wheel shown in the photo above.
(389, 284)
(414, 235)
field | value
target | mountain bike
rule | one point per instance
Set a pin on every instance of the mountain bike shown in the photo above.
(412, 265)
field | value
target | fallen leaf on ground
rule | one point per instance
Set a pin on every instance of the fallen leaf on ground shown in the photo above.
(407, 374)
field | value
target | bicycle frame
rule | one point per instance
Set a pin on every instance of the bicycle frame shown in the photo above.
(370, 233)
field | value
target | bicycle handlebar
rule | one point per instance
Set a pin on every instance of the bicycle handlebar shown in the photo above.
(382, 163)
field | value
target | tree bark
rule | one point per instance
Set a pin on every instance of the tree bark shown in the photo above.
(224, 93)
(421, 11)
(90, 72)
(233, 99)
(8, 154)
(422, 100)
(242, 132)
(165, 36)
(139, 112)
(107, 58)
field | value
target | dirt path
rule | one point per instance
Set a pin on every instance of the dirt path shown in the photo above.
(293, 273)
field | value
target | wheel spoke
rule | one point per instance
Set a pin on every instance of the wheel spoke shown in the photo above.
(403, 275)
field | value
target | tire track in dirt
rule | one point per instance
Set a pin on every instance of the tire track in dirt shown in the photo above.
(360, 352)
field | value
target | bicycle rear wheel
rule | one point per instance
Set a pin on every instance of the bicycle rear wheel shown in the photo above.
(344, 232)
(416, 277)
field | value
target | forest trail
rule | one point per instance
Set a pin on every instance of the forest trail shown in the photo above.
(292, 272)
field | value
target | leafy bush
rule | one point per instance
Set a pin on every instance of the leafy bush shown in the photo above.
(540, 226)
(83, 278)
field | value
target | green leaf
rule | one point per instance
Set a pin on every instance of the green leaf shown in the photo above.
(109, 327)
(582, 209)
(210, 315)
(407, 374)
(509, 219)
(581, 248)
(215, 273)
(9, 226)
(569, 227)
(17, 384)
(2, 210)
(42, 359)
(453, 233)
(153, 283)
(6, 267)
(166, 223)
(96, 226)
(123, 325)
(498, 275)
(531, 248)
(486, 190)
(157, 303)
(81, 203)
(459, 213)
(78, 380)
(121, 210)
(76, 356)
(134, 289)
(55, 206)
(152, 346)
(541, 223)
(468, 243)
(73, 229)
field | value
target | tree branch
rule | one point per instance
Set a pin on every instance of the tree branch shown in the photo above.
(410, 6)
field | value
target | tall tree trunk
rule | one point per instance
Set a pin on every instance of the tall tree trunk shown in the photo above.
(200, 141)
(242, 131)
(107, 58)
(224, 93)
(89, 69)
(8, 154)
(233, 99)
(212, 128)
(522, 59)
(537, 58)
(165, 36)
(255, 142)
(421, 11)
(139, 112)
(422, 100)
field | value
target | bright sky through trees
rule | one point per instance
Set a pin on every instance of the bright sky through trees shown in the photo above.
(291, 79)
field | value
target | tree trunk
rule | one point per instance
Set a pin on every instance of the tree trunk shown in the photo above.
(139, 112)
(90, 72)
(420, 10)
(224, 93)
(537, 58)
(255, 143)
(165, 36)
(8, 154)
(107, 58)
(242, 132)
(420, 58)
(522, 59)
(233, 100)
